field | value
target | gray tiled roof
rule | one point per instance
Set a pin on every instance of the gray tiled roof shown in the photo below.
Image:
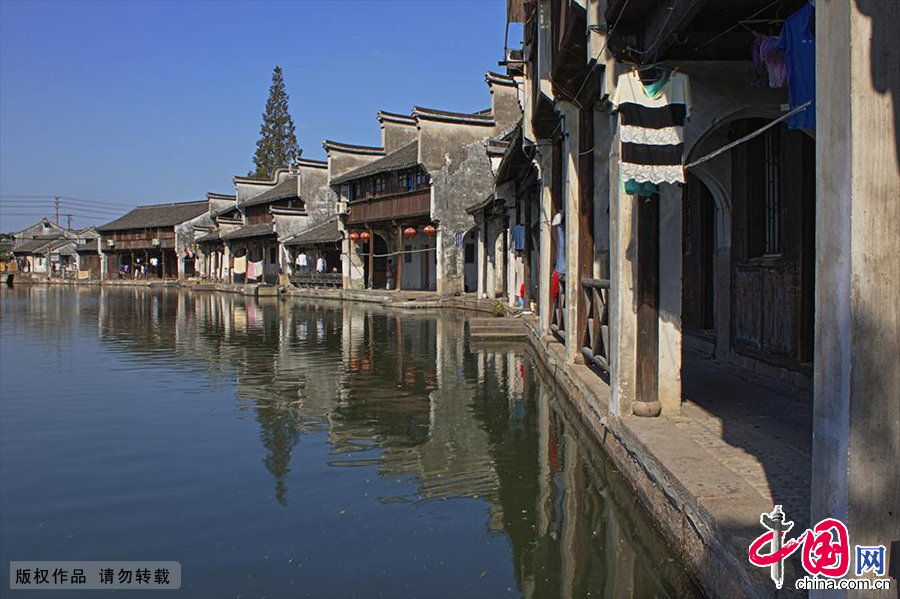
(285, 189)
(157, 215)
(250, 231)
(90, 246)
(224, 210)
(211, 236)
(326, 232)
(405, 157)
(31, 246)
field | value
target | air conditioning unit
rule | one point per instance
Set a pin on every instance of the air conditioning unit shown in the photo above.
(155, 241)
(341, 208)
(110, 242)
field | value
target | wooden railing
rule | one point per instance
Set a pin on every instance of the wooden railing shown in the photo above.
(412, 203)
(323, 279)
(595, 345)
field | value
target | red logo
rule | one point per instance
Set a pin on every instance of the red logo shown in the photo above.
(826, 547)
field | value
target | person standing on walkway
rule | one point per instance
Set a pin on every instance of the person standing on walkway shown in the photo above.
(390, 274)
(320, 264)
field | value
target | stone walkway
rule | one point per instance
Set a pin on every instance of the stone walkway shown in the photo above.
(756, 427)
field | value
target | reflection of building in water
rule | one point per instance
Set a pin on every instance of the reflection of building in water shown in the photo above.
(406, 396)
(405, 392)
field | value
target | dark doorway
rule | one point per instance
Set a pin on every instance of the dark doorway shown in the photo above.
(378, 277)
(773, 245)
(698, 259)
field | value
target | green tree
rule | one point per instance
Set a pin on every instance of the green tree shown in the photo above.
(277, 145)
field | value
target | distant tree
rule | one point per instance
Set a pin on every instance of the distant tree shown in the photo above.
(277, 145)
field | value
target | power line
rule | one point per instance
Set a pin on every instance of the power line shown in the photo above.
(62, 204)
(61, 197)
(45, 214)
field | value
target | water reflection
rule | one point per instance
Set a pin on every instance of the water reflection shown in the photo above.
(471, 440)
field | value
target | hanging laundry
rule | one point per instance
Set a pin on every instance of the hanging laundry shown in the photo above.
(558, 222)
(519, 237)
(240, 265)
(645, 189)
(652, 127)
(767, 64)
(520, 276)
(798, 42)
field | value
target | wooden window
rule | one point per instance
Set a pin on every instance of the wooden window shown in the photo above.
(407, 257)
(421, 179)
(764, 180)
(379, 184)
(404, 181)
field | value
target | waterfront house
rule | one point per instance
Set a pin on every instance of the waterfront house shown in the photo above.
(223, 217)
(271, 212)
(403, 203)
(30, 245)
(153, 241)
(678, 215)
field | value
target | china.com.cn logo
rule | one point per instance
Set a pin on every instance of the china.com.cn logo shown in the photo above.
(826, 549)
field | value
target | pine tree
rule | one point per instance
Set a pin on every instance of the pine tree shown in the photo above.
(277, 145)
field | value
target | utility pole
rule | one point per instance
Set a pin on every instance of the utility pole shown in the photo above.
(56, 206)
(69, 219)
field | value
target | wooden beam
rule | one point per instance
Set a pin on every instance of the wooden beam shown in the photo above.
(669, 17)
(371, 258)
(399, 269)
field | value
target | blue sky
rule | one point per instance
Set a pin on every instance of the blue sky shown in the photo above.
(126, 103)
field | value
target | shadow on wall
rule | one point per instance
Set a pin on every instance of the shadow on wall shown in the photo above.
(884, 55)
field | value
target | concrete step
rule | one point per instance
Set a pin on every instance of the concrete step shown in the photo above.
(495, 322)
(496, 334)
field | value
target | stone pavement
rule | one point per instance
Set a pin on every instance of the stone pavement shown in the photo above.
(758, 428)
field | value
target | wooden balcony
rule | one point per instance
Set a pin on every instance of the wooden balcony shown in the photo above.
(396, 206)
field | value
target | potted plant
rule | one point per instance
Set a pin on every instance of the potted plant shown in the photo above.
(499, 310)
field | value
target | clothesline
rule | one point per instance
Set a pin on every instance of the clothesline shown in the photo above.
(429, 249)
(749, 136)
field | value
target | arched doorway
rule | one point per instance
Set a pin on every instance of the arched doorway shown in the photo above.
(773, 245)
(749, 247)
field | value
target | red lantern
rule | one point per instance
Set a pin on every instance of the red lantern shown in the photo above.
(410, 232)
(365, 236)
(430, 230)
(354, 236)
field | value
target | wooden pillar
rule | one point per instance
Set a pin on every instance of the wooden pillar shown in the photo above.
(647, 400)
(370, 283)
(585, 221)
(399, 269)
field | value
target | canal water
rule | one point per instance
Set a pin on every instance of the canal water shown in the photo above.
(283, 449)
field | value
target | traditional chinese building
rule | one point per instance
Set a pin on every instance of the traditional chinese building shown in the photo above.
(691, 205)
(150, 241)
(270, 213)
(404, 202)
